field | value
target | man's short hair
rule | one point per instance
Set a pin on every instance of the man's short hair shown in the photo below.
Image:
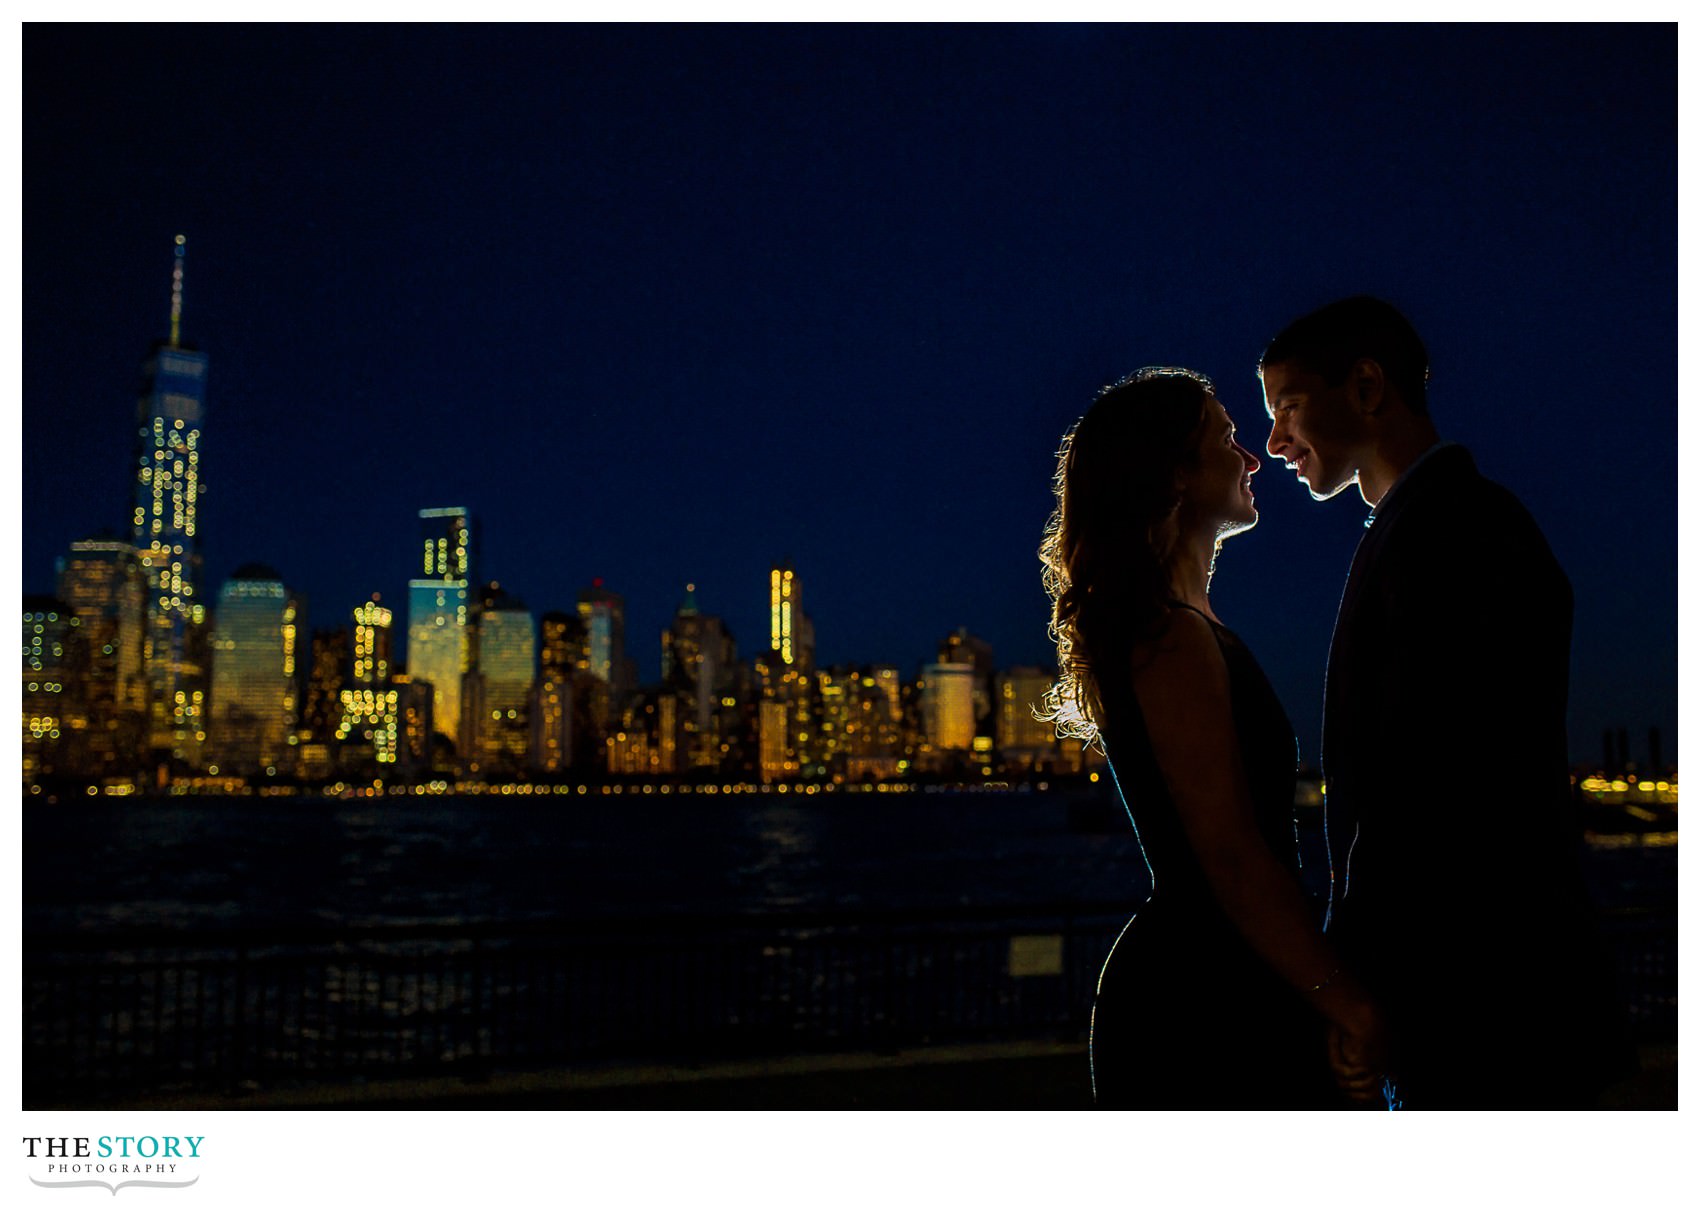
(1332, 339)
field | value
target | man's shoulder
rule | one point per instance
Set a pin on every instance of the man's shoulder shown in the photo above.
(1449, 498)
(1460, 528)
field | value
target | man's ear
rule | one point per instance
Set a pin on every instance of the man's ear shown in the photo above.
(1366, 384)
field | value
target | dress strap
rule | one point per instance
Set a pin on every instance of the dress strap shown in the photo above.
(1195, 610)
(1223, 634)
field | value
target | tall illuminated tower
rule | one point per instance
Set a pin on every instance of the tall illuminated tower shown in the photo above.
(438, 644)
(371, 727)
(372, 643)
(792, 631)
(169, 415)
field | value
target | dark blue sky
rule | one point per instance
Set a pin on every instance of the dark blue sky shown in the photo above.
(665, 304)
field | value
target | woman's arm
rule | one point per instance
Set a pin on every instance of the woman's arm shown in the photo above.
(1182, 684)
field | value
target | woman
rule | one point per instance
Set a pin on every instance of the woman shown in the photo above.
(1223, 990)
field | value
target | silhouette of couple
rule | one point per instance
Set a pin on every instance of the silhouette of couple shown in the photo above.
(1457, 965)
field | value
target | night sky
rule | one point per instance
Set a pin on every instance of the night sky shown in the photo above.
(668, 304)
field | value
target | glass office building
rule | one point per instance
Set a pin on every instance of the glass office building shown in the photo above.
(438, 643)
(254, 681)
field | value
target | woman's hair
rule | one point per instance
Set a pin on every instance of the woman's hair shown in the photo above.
(1107, 545)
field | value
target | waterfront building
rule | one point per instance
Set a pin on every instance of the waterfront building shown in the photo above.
(369, 734)
(369, 737)
(560, 637)
(372, 643)
(872, 744)
(100, 580)
(54, 667)
(946, 692)
(697, 656)
(438, 642)
(497, 689)
(317, 745)
(562, 644)
(254, 679)
(647, 741)
(737, 724)
(1025, 742)
(603, 613)
(787, 741)
(959, 647)
(416, 738)
(827, 749)
(778, 759)
(165, 519)
(791, 631)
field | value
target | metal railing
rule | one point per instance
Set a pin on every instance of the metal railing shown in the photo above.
(148, 1011)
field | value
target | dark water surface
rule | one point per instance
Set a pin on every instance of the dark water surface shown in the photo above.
(289, 861)
(188, 863)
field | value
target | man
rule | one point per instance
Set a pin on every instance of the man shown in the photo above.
(1457, 893)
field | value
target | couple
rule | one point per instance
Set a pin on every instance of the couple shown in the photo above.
(1457, 966)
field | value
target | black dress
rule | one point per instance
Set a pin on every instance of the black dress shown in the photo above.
(1187, 1014)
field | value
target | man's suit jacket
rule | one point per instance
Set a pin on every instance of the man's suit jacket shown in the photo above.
(1457, 890)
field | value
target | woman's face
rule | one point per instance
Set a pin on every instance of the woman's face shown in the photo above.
(1216, 492)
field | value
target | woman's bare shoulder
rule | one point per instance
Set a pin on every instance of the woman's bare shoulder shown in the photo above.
(1183, 647)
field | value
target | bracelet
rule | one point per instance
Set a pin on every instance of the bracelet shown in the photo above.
(1326, 981)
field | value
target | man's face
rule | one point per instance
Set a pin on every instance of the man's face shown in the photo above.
(1314, 428)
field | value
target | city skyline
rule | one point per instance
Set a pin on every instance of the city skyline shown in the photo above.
(832, 295)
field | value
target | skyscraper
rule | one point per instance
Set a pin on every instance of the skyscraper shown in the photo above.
(169, 415)
(875, 740)
(961, 647)
(783, 719)
(603, 613)
(254, 678)
(552, 701)
(1024, 739)
(369, 732)
(438, 646)
(321, 710)
(55, 662)
(792, 631)
(496, 732)
(697, 655)
(372, 643)
(947, 706)
(100, 579)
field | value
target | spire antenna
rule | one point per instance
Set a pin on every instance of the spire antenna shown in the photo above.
(177, 294)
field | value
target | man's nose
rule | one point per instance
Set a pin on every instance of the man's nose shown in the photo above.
(1277, 441)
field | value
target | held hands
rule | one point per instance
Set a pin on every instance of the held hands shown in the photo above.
(1360, 1054)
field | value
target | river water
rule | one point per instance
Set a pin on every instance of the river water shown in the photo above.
(200, 862)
